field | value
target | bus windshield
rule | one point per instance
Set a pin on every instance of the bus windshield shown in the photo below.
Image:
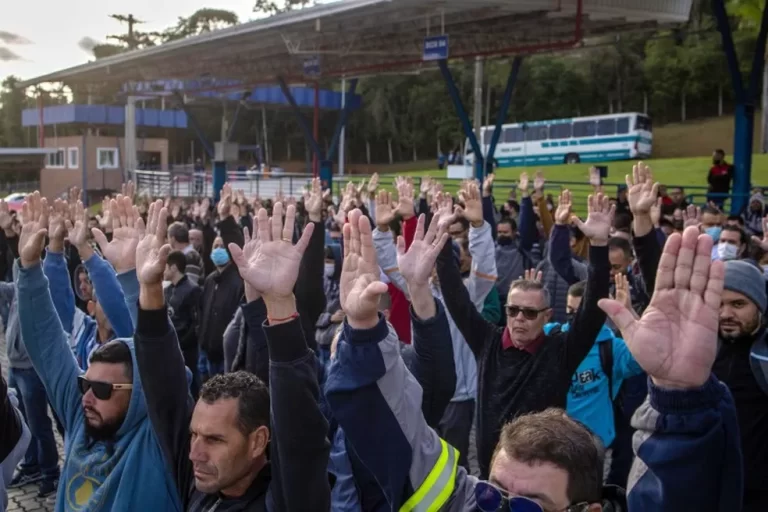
(644, 123)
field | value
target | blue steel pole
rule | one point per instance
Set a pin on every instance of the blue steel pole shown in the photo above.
(505, 101)
(466, 124)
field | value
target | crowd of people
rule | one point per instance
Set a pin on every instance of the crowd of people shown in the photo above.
(399, 351)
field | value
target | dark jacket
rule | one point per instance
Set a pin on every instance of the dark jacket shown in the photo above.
(719, 178)
(513, 382)
(221, 296)
(183, 299)
(296, 477)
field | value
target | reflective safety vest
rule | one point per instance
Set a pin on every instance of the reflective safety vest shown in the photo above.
(438, 487)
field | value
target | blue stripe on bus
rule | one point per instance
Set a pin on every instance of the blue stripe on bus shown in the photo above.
(595, 140)
(589, 156)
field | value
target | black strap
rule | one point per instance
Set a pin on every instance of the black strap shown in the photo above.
(606, 363)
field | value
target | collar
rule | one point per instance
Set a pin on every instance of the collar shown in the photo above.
(531, 348)
(258, 487)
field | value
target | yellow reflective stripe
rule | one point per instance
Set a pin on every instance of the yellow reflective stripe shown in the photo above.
(438, 487)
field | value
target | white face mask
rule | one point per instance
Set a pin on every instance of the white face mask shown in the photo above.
(330, 269)
(726, 251)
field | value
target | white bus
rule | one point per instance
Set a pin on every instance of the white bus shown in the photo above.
(569, 141)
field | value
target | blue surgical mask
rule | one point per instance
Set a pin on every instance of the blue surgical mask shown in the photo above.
(726, 251)
(219, 256)
(714, 232)
(329, 270)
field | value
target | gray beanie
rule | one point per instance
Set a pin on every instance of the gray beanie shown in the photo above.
(745, 278)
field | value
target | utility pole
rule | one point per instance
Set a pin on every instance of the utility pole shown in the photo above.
(131, 38)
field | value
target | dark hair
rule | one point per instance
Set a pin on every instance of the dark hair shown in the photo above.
(177, 259)
(737, 218)
(666, 222)
(464, 223)
(720, 151)
(554, 437)
(622, 244)
(743, 238)
(622, 222)
(179, 232)
(510, 221)
(250, 392)
(578, 289)
(329, 254)
(114, 352)
(710, 210)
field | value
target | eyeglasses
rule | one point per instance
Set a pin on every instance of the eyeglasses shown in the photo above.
(489, 498)
(101, 390)
(528, 313)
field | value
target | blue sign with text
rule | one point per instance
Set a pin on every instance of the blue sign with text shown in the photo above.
(312, 66)
(435, 48)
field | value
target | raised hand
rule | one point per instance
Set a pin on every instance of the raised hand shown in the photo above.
(564, 208)
(622, 291)
(373, 184)
(34, 230)
(539, 182)
(128, 189)
(522, 185)
(656, 213)
(404, 188)
(77, 229)
(359, 287)
(57, 231)
(691, 216)
(599, 221)
(763, 243)
(105, 219)
(224, 207)
(121, 251)
(642, 192)
(5, 216)
(675, 341)
(385, 213)
(313, 200)
(270, 262)
(532, 275)
(425, 187)
(473, 204)
(446, 210)
(417, 263)
(152, 251)
(488, 185)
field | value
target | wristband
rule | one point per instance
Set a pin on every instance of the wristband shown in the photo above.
(280, 320)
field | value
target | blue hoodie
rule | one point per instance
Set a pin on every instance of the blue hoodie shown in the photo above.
(108, 292)
(588, 399)
(127, 474)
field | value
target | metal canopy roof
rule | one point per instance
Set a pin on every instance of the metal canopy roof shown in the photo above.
(357, 37)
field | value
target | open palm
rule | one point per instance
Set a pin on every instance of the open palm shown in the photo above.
(152, 251)
(359, 286)
(34, 230)
(675, 341)
(121, 250)
(417, 263)
(270, 263)
(641, 190)
(600, 219)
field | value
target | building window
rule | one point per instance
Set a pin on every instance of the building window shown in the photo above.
(73, 155)
(56, 160)
(106, 158)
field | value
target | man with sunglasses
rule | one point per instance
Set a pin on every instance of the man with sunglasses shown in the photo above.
(216, 449)
(520, 369)
(113, 460)
(688, 447)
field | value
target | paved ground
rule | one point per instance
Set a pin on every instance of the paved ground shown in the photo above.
(25, 499)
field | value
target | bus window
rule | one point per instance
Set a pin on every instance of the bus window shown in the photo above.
(606, 127)
(560, 131)
(644, 123)
(584, 129)
(622, 126)
(487, 136)
(512, 135)
(536, 133)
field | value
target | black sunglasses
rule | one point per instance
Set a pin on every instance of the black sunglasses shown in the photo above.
(489, 498)
(528, 313)
(101, 390)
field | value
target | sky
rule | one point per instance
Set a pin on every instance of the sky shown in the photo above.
(51, 30)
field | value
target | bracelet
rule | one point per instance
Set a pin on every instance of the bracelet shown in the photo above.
(280, 320)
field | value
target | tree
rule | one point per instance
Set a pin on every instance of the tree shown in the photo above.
(272, 7)
(202, 21)
(12, 100)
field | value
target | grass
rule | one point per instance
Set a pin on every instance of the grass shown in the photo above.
(685, 172)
